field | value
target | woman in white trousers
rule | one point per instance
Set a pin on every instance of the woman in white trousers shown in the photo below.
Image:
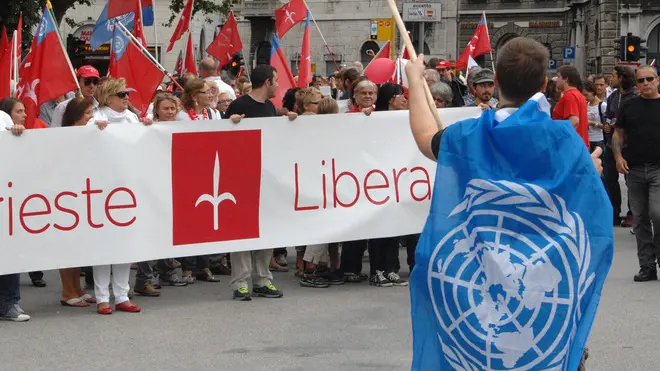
(118, 274)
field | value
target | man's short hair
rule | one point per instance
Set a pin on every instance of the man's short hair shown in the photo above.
(571, 75)
(647, 67)
(204, 65)
(521, 67)
(600, 77)
(261, 74)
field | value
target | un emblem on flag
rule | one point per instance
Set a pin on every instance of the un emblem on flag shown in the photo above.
(506, 284)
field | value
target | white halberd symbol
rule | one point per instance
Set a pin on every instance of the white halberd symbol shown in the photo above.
(215, 199)
(289, 16)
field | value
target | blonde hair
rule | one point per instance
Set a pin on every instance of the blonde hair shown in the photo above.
(160, 98)
(328, 106)
(244, 87)
(306, 96)
(191, 88)
(108, 88)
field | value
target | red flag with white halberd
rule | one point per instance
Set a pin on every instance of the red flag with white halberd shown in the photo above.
(227, 43)
(305, 71)
(479, 44)
(138, 25)
(285, 77)
(183, 25)
(289, 15)
(178, 67)
(141, 74)
(117, 8)
(46, 73)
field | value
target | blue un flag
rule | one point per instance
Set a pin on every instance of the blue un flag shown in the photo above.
(516, 248)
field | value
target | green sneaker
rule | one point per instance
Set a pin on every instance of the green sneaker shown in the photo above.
(242, 294)
(268, 291)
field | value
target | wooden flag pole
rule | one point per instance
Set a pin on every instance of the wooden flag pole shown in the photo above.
(405, 37)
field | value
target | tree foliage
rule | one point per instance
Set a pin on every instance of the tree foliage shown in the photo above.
(32, 10)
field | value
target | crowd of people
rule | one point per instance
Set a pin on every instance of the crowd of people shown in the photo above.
(596, 106)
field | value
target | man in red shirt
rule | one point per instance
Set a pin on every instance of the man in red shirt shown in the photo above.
(572, 106)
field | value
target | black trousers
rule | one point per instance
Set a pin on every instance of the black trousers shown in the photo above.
(384, 254)
(411, 246)
(351, 256)
(36, 275)
(611, 179)
(194, 263)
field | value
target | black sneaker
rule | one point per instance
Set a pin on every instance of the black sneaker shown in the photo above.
(242, 294)
(313, 281)
(646, 274)
(352, 278)
(379, 280)
(333, 278)
(268, 291)
(39, 283)
(396, 280)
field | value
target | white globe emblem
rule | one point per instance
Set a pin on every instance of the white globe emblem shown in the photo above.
(119, 45)
(42, 28)
(503, 283)
(124, 19)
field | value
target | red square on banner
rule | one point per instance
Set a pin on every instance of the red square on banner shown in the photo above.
(216, 184)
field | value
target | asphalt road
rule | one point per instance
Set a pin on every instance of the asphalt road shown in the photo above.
(350, 327)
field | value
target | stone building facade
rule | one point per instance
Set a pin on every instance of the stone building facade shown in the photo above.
(592, 27)
(346, 26)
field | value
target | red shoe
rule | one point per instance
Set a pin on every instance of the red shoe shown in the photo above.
(130, 308)
(104, 311)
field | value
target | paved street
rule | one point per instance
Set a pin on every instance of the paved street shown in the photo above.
(350, 327)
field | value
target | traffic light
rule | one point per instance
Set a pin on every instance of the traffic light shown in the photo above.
(633, 48)
(236, 63)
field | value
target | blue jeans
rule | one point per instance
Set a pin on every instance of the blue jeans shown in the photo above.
(644, 193)
(10, 292)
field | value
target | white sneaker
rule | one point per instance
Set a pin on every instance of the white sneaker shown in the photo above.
(14, 316)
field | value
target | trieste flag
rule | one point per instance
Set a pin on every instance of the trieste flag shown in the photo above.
(284, 75)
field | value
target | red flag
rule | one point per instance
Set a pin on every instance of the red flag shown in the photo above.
(121, 7)
(384, 52)
(179, 64)
(241, 71)
(305, 72)
(4, 44)
(46, 73)
(189, 65)
(284, 75)
(182, 26)
(19, 36)
(226, 43)
(138, 26)
(141, 75)
(478, 45)
(405, 54)
(289, 15)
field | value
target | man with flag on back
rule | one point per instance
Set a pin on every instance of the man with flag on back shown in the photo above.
(513, 257)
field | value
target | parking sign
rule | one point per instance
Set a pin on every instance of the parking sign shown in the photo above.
(569, 53)
(552, 64)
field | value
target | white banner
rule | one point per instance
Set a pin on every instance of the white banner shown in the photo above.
(73, 197)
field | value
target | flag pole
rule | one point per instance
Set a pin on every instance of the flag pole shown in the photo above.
(155, 26)
(322, 38)
(14, 70)
(413, 57)
(145, 52)
(492, 60)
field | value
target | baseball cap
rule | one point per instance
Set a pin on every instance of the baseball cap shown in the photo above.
(443, 65)
(482, 75)
(88, 71)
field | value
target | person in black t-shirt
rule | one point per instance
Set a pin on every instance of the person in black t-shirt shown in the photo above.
(638, 123)
(255, 104)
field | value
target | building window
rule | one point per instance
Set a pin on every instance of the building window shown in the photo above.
(653, 45)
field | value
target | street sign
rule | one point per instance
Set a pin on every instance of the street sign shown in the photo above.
(421, 11)
(374, 29)
(629, 64)
(569, 53)
(552, 64)
(384, 29)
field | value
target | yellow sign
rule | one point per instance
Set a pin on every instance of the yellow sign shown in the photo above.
(314, 68)
(385, 27)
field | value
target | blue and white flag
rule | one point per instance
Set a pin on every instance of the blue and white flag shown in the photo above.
(103, 29)
(516, 248)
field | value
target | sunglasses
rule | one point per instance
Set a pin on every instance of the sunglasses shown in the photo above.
(91, 81)
(122, 94)
(647, 79)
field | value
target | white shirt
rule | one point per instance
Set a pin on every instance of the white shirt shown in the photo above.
(114, 117)
(596, 134)
(58, 113)
(223, 87)
(184, 116)
(5, 121)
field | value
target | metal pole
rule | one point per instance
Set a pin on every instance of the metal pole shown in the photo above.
(420, 46)
(155, 26)
(322, 38)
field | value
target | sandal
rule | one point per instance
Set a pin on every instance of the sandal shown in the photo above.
(88, 299)
(74, 302)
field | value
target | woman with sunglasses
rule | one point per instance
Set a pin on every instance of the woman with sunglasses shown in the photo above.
(391, 98)
(114, 108)
(197, 102)
(307, 101)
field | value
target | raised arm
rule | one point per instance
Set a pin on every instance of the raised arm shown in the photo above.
(422, 122)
